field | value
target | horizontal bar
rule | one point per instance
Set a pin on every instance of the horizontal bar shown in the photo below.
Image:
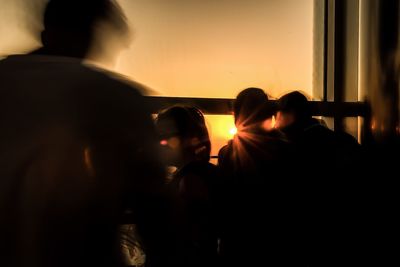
(224, 106)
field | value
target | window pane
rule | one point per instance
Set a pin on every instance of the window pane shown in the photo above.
(201, 48)
(208, 48)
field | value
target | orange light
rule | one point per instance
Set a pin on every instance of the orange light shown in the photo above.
(219, 127)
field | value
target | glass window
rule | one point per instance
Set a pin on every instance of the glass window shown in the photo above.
(208, 48)
(202, 48)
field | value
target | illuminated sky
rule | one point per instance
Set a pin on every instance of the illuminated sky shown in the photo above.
(215, 48)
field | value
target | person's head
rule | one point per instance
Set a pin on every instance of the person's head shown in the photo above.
(183, 134)
(292, 108)
(248, 106)
(70, 25)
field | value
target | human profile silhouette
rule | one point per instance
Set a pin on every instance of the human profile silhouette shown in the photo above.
(192, 186)
(248, 106)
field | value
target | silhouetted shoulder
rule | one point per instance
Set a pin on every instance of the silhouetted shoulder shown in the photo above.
(72, 68)
(118, 77)
(347, 139)
(68, 78)
(222, 153)
(197, 178)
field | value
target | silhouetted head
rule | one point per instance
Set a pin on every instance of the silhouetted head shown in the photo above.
(184, 134)
(69, 25)
(249, 106)
(292, 107)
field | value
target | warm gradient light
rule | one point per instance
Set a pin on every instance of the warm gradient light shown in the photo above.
(198, 48)
(209, 48)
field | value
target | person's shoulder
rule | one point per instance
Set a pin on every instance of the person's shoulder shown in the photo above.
(222, 151)
(120, 81)
(315, 130)
(225, 151)
(74, 70)
(346, 139)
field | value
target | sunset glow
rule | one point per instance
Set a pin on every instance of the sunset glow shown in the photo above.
(198, 48)
(219, 127)
(208, 48)
(233, 131)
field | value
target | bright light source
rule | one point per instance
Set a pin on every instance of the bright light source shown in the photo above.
(233, 131)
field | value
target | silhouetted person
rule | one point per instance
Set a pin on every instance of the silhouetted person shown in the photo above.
(328, 162)
(259, 210)
(77, 149)
(294, 118)
(193, 185)
(248, 105)
(255, 134)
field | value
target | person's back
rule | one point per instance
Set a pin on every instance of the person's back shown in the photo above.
(192, 187)
(258, 209)
(77, 148)
(194, 193)
(328, 161)
(66, 134)
(316, 142)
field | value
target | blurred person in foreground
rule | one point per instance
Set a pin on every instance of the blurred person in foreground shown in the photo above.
(77, 149)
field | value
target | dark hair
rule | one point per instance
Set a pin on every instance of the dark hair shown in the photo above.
(296, 103)
(250, 106)
(69, 24)
(190, 123)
